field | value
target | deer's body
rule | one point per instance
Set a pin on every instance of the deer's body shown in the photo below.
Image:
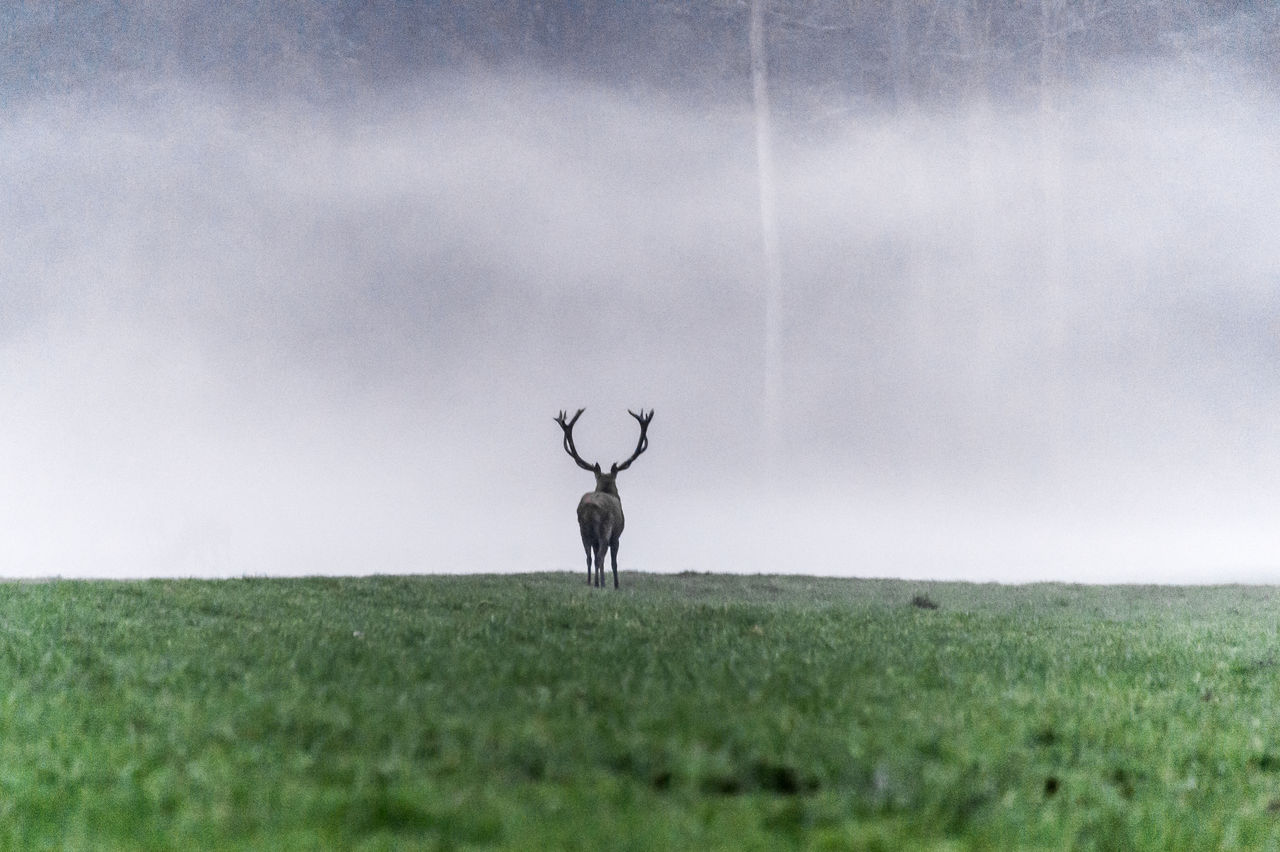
(600, 523)
(600, 518)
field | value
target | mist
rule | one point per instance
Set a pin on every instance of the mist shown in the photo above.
(250, 334)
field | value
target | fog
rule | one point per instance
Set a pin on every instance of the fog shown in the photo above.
(252, 335)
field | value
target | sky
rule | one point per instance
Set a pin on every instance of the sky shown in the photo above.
(244, 335)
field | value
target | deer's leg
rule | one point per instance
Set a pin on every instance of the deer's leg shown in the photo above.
(586, 545)
(613, 557)
(600, 551)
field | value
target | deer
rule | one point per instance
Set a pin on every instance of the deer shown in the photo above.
(600, 518)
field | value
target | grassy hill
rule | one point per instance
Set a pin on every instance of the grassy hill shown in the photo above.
(691, 711)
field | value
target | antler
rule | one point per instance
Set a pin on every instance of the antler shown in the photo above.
(567, 425)
(641, 445)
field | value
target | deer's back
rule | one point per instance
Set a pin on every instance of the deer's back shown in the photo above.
(600, 516)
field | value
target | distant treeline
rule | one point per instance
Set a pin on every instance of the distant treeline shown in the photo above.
(825, 54)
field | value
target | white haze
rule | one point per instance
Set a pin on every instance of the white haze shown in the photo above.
(259, 338)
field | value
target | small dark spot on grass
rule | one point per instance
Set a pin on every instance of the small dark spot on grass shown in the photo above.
(1123, 782)
(1046, 736)
(1273, 806)
(778, 778)
(531, 764)
(930, 748)
(661, 780)
(1267, 762)
(923, 602)
(1050, 786)
(763, 776)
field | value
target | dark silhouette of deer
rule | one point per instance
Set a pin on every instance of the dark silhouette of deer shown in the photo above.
(600, 519)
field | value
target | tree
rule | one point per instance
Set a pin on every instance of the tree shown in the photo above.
(766, 173)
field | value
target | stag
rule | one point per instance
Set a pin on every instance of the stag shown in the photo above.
(600, 518)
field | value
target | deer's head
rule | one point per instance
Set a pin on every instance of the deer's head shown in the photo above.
(605, 482)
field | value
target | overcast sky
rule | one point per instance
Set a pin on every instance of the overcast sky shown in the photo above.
(247, 335)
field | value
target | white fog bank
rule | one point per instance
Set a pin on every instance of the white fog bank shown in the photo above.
(261, 338)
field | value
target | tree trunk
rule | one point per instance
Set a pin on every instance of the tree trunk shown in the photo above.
(1053, 225)
(768, 226)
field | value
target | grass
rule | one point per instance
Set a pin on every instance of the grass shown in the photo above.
(692, 711)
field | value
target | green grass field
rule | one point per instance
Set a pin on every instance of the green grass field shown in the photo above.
(691, 711)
